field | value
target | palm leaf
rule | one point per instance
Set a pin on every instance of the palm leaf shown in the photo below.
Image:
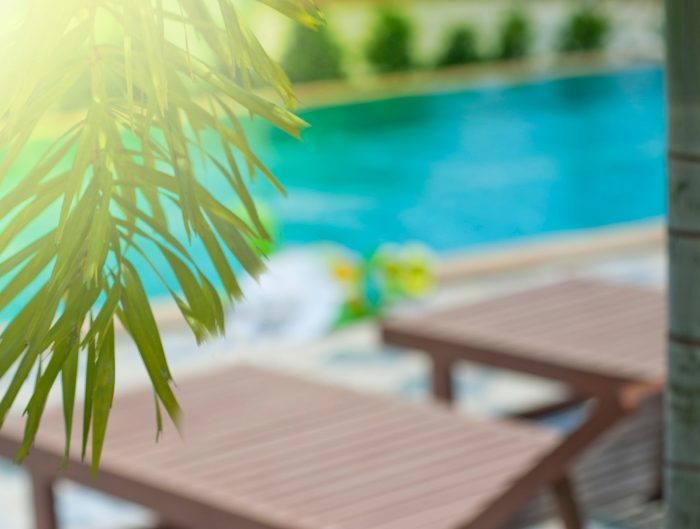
(97, 195)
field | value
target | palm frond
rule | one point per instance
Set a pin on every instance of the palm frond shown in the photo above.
(74, 226)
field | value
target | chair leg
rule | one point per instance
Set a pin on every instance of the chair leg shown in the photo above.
(567, 504)
(44, 502)
(442, 380)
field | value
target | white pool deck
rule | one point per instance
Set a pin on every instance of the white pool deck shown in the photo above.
(354, 356)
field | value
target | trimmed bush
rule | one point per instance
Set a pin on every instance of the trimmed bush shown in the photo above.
(390, 46)
(460, 47)
(587, 29)
(515, 36)
(313, 55)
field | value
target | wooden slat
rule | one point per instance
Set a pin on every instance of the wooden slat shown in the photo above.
(302, 455)
(575, 328)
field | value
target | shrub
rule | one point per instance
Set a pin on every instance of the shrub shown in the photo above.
(587, 29)
(460, 47)
(390, 44)
(515, 36)
(313, 55)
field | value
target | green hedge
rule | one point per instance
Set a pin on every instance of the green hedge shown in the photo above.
(390, 45)
(587, 29)
(515, 36)
(460, 47)
(313, 55)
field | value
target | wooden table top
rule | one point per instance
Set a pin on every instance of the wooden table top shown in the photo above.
(584, 333)
(266, 450)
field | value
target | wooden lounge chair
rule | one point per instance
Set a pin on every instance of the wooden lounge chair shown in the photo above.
(603, 341)
(263, 450)
(596, 337)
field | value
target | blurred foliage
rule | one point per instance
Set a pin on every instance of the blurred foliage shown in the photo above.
(392, 273)
(269, 244)
(515, 36)
(313, 55)
(460, 47)
(587, 29)
(390, 45)
(103, 185)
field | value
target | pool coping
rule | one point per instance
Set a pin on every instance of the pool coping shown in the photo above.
(513, 257)
(540, 68)
(505, 258)
(558, 248)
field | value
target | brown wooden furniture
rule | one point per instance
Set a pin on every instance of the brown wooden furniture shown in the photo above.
(268, 451)
(599, 339)
(603, 341)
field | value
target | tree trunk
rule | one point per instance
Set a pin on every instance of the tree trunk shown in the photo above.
(683, 389)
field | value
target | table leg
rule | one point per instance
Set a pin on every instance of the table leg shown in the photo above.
(442, 379)
(549, 471)
(658, 493)
(567, 504)
(44, 502)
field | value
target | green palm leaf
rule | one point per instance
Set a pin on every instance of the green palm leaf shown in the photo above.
(101, 196)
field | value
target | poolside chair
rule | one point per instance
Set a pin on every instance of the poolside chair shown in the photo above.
(601, 340)
(263, 450)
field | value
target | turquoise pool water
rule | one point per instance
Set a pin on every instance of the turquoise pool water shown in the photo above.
(462, 169)
(483, 165)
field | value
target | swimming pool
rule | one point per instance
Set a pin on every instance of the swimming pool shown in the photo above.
(462, 169)
(482, 165)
